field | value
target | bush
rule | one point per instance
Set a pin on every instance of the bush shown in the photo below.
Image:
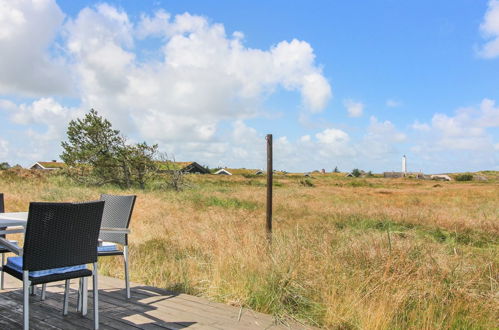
(464, 177)
(356, 172)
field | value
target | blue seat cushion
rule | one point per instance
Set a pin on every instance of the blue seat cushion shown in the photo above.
(107, 248)
(16, 263)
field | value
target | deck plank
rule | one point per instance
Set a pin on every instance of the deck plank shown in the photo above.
(149, 308)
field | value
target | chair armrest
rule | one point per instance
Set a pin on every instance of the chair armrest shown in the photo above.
(115, 230)
(11, 246)
(12, 231)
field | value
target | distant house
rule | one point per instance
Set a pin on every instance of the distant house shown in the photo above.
(185, 167)
(195, 168)
(259, 172)
(222, 171)
(48, 166)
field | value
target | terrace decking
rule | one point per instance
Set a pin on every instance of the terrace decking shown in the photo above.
(149, 308)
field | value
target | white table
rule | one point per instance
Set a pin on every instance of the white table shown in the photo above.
(15, 223)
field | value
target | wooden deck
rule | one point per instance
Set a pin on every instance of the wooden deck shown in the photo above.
(149, 308)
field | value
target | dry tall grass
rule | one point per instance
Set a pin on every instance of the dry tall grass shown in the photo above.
(347, 253)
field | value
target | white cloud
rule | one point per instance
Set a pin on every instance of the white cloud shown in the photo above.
(354, 108)
(420, 126)
(199, 77)
(391, 103)
(50, 119)
(27, 67)
(202, 77)
(467, 129)
(4, 149)
(381, 140)
(490, 30)
(385, 131)
(331, 143)
(332, 136)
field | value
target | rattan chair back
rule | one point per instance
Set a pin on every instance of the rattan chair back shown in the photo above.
(117, 214)
(61, 234)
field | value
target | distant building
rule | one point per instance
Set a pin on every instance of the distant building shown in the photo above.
(185, 167)
(222, 171)
(259, 172)
(193, 167)
(48, 166)
(404, 164)
(441, 177)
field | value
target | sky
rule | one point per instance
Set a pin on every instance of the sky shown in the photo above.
(347, 84)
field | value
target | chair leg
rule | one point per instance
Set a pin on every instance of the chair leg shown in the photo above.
(96, 298)
(127, 276)
(66, 298)
(43, 295)
(84, 296)
(78, 306)
(2, 273)
(26, 289)
(32, 290)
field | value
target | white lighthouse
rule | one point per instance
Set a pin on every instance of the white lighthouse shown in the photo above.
(404, 164)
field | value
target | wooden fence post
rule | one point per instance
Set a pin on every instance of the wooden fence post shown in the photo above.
(270, 173)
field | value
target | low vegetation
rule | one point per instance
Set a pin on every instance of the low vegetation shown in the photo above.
(347, 253)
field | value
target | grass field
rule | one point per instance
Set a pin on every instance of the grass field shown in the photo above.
(347, 253)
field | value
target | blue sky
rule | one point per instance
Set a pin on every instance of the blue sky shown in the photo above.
(352, 84)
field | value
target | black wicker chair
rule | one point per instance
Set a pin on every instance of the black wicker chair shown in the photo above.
(114, 229)
(60, 240)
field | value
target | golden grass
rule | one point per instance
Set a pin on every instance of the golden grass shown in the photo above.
(346, 253)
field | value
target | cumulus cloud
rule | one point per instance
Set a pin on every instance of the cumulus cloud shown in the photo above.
(381, 140)
(332, 136)
(198, 79)
(467, 128)
(354, 108)
(50, 119)
(27, 32)
(490, 31)
(202, 76)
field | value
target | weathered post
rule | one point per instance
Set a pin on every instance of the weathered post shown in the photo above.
(270, 173)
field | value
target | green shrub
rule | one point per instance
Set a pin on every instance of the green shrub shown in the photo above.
(356, 172)
(464, 177)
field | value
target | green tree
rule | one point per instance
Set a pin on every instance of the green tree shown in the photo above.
(98, 154)
(140, 159)
(336, 170)
(4, 166)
